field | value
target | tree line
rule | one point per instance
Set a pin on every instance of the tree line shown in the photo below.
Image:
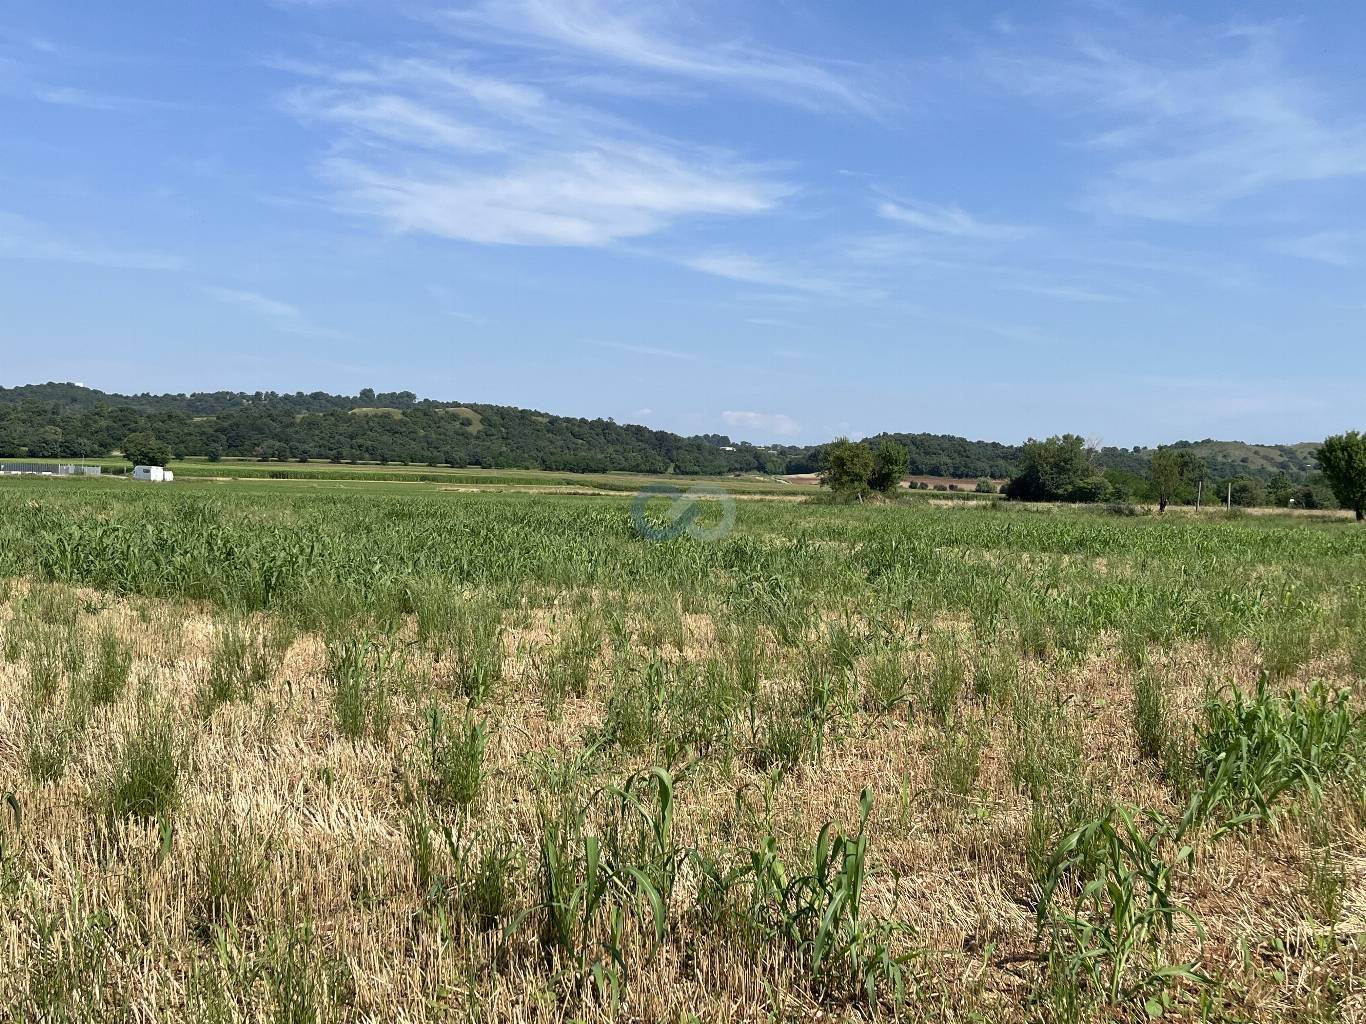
(1063, 468)
(69, 421)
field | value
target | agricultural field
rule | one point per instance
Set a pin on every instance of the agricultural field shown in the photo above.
(517, 480)
(309, 751)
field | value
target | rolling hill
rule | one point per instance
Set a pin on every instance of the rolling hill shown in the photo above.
(62, 420)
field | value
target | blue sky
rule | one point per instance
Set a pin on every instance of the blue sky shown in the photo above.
(783, 221)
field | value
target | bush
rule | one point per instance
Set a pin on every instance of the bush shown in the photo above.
(1090, 490)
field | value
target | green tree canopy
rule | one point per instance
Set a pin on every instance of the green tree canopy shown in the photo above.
(144, 449)
(1279, 490)
(1057, 470)
(1172, 473)
(1343, 458)
(848, 468)
(889, 466)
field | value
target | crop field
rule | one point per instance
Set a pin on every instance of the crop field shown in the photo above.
(519, 480)
(314, 753)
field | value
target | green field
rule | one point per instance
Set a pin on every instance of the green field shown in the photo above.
(355, 750)
(483, 479)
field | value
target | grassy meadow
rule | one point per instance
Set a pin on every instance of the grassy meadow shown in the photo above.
(315, 751)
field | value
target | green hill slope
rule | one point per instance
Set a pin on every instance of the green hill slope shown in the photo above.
(70, 421)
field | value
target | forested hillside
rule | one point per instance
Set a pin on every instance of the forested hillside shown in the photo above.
(70, 421)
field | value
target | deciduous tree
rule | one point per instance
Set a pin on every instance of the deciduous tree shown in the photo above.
(848, 468)
(144, 449)
(1343, 460)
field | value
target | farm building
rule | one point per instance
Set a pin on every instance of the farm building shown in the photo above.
(46, 469)
(155, 474)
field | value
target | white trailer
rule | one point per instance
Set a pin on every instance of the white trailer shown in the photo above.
(155, 474)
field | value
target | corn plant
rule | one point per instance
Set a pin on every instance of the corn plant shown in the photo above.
(1252, 750)
(593, 882)
(1106, 908)
(814, 912)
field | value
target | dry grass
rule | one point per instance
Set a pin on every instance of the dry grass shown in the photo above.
(281, 883)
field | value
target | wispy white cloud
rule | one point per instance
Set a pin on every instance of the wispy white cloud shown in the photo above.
(22, 238)
(772, 321)
(649, 37)
(84, 99)
(1182, 137)
(256, 303)
(750, 269)
(768, 424)
(395, 118)
(282, 315)
(446, 149)
(949, 220)
(589, 198)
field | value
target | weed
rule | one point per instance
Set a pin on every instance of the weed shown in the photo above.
(229, 868)
(144, 779)
(1152, 720)
(957, 763)
(455, 758)
(1045, 749)
(943, 677)
(361, 702)
(474, 649)
(107, 674)
(244, 660)
(995, 671)
(50, 738)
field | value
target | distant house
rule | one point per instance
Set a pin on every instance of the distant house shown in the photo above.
(46, 469)
(154, 474)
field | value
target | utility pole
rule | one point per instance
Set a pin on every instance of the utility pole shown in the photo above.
(1199, 495)
(1230, 495)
